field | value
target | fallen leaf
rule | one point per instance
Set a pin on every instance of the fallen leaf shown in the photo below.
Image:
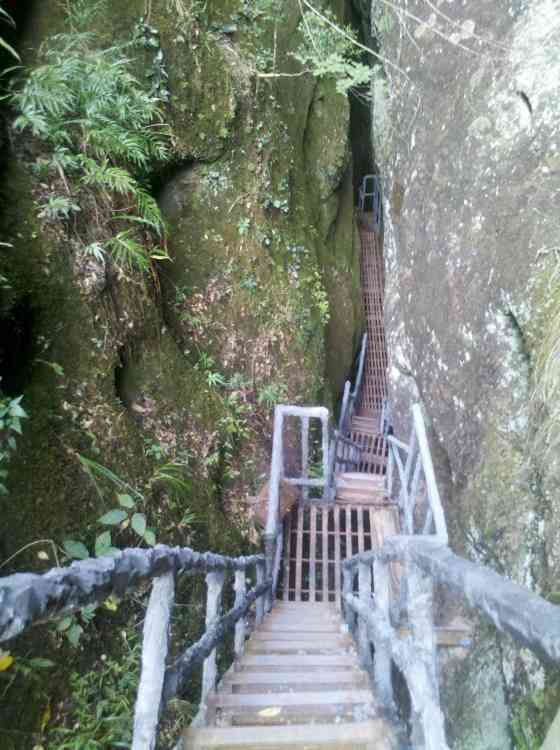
(270, 713)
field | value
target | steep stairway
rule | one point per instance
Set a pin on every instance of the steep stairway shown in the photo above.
(298, 685)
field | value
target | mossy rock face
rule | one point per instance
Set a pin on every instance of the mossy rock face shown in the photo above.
(260, 304)
(204, 88)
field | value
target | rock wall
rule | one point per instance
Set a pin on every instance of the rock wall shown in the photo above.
(260, 302)
(466, 131)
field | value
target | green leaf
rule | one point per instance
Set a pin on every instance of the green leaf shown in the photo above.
(76, 550)
(150, 537)
(65, 623)
(126, 501)
(103, 543)
(138, 523)
(10, 49)
(40, 663)
(74, 634)
(113, 517)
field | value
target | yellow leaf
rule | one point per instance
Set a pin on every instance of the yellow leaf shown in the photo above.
(111, 604)
(45, 718)
(270, 713)
(6, 661)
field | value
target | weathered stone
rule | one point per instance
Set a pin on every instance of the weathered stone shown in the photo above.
(472, 290)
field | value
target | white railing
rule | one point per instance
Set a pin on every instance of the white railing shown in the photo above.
(273, 536)
(411, 476)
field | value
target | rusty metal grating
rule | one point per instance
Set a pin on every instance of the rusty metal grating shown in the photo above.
(318, 537)
(375, 450)
(373, 286)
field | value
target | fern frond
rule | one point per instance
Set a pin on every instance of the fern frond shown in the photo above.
(127, 252)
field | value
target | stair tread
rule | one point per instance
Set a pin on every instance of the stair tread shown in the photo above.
(295, 635)
(343, 736)
(297, 647)
(292, 699)
(271, 678)
(298, 660)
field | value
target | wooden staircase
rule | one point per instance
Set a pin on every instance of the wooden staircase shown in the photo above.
(298, 685)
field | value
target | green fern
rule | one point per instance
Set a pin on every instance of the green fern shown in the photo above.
(103, 129)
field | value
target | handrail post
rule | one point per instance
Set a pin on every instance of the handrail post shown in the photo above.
(344, 408)
(276, 470)
(155, 645)
(260, 603)
(429, 473)
(305, 454)
(347, 588)
(325, 447)
(214, 597)
(382, 657)
(390, 470)
(428, 728)
(270, 556)
(364, 588)
(240, 626)
(420, 595)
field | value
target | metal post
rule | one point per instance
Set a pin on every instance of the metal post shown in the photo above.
(240, 626)
(325, 445)
(429, 473)
(154, 653)
(364, 588)
(305, 454)
(214, 597)
(344, 409)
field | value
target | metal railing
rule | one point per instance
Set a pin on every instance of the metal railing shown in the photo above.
(27, 599)
(386, 597)
(415, 481)
(338, 453)
(369, 198)
(273, 536)
(344, 453)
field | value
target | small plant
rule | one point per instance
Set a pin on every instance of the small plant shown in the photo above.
(272, 394)
(11, 415)
(243, 226)
(331, 51)
(111, 690)
(58, 208)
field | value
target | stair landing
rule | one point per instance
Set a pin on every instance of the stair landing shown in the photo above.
(298, 685)
(318, 537)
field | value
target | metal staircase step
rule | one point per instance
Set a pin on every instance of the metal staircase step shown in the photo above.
(367, 735)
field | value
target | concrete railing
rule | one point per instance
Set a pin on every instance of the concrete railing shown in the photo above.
(26, 599)
(425, 562)
(375, 615)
